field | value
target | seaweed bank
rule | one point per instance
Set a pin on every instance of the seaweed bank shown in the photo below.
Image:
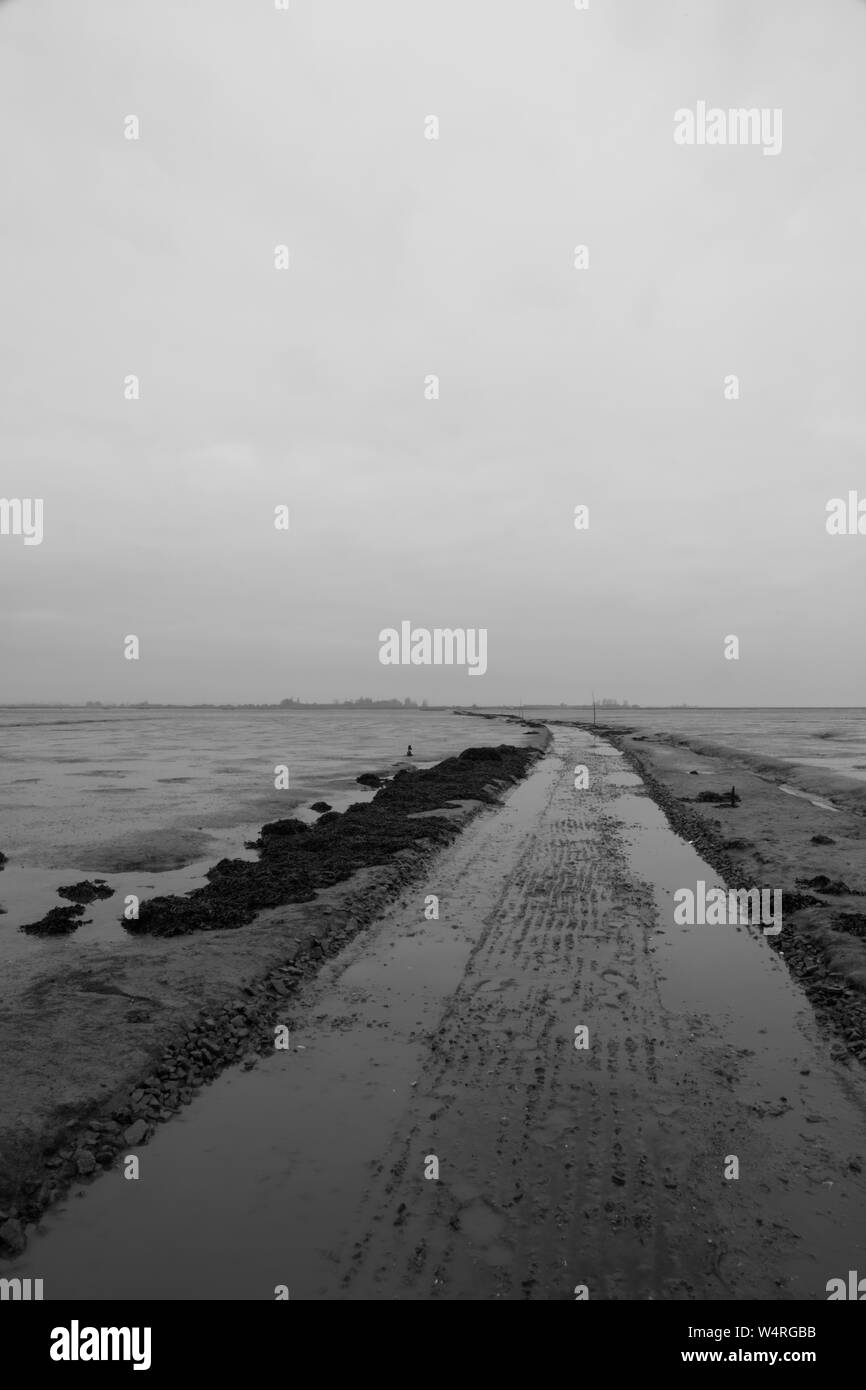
(97, 1056)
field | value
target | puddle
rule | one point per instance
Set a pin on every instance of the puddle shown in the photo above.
(730, 977)
(814, 800)
(27, 892)
(255, 1183)
(258, 1182)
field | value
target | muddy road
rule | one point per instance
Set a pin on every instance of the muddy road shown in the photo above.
(454, 1041)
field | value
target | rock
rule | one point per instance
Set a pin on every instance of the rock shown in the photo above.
(86, 1162)
(3, 859)
(369, 779)
(85, 891)
(320, 806)
(852, 922)
(792, 902)
(12, 1236)
(285, 827)
(822, 884)
(718, 799)
(822, 840)
(328, 817)
(135, 1134)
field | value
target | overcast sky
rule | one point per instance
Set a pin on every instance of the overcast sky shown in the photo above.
(409, 257)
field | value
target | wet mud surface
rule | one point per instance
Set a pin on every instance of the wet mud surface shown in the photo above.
(453, 1039)
(770, 840)
(164, 1018)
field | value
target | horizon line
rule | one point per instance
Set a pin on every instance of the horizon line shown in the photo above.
(387, 701)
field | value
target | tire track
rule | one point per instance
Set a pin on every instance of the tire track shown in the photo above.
(561, 1167)
(454, 1038)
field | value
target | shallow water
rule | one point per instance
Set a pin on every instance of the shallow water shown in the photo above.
(260, 1180)
(249, 1185)
(833, 740)
(151, 799)
(815, 800)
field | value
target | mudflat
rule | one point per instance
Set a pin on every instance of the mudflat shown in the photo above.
(109, 1048)
(551, 1090)
(798, 829)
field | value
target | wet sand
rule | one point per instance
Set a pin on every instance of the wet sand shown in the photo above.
(794, 826)
(454, 1039)
(118, 1036)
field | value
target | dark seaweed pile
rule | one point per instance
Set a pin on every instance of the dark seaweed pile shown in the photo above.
(85, 891)
(59, 921)
(296, 859)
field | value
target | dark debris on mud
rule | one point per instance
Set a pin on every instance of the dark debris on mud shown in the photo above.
(59, 921)
(86, 891)
(296, 858)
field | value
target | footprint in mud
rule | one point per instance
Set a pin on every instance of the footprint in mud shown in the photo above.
(481, 1224)
(666, 1109)
(494, 986)
(615, 977)
(463, 1192)
(558, 1123)
(619, 983)
(498, 1255)
(617, 1173)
